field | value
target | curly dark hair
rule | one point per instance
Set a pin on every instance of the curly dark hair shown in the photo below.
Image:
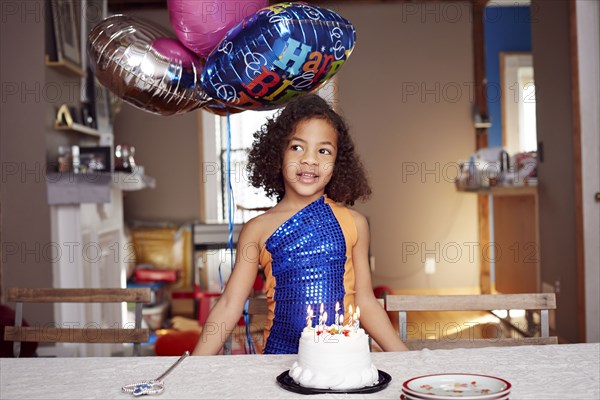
(349, 181)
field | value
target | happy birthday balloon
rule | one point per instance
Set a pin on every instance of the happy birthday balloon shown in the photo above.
(142, 65)
(276, 54)
(201, 24)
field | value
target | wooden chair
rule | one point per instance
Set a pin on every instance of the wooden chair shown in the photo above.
(536, 301)
(255, 306)
(45, 334)
(258, 306)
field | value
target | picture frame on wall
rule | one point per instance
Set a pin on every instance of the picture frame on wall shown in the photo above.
(66, 22)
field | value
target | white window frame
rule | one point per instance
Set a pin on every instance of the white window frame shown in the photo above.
(516, 75)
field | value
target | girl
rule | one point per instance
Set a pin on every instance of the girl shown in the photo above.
(313, 249)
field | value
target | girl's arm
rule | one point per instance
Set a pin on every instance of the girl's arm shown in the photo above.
(224, 316)
(372, 316)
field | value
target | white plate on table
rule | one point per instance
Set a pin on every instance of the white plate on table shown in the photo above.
(406, 396)
(452, 386)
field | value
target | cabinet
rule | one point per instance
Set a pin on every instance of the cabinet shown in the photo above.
(514, 231)
(513, 250)
(89, 247)
(90, 251)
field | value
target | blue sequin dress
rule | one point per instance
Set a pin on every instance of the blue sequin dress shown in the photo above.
(307, 261)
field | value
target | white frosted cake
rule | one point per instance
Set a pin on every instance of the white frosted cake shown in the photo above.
(334, 358)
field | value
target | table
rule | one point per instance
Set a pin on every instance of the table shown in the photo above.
(568, 371)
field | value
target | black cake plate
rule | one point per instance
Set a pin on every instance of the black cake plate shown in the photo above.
(286, 382)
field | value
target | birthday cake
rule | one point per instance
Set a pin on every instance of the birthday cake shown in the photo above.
(334, 357)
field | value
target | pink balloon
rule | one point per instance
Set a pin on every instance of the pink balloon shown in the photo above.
(172, 49)
(201, 24)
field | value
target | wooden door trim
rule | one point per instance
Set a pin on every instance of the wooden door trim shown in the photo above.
(577, 165)
(481, 137)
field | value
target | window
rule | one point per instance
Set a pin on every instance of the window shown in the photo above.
(527, 133)
(249, 201)
(518, 103)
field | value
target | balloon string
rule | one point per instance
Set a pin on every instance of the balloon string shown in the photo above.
(230, 192)
(249, 349)
(230, 202)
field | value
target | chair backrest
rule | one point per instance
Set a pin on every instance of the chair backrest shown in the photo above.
(254, 306)
(258, 306)
(45, 334)
(485, 302)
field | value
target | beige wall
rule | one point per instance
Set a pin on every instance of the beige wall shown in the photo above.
(24, 213)
(407, 94)
(168, 149)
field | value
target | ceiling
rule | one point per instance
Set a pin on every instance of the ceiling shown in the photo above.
(124, 5)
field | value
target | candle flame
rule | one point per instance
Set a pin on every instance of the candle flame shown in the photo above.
(337, 306)
(309, 316)
(357, 312)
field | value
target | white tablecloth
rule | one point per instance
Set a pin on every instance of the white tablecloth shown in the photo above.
(536, 372)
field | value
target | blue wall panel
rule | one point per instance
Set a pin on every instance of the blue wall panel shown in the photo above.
(505, 29)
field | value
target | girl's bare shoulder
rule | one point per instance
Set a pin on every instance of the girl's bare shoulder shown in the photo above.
(262, 226)
(359, 219)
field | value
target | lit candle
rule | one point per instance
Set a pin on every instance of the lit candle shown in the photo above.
(309, 315)
(321, 312)
(321, 322)
(324, 320)
(350, 323)
(357, 318)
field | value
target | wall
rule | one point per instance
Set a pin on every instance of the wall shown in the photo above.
(25, 217)
(407, 94)
(505, 29)
(168, 149)
(551, 63)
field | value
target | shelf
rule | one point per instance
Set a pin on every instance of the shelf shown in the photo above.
(65, 66)
(64, 122)
(75, 127)
(213, 236)
(69, 188)
(94, 187)
(503, 190)
(129, 181)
